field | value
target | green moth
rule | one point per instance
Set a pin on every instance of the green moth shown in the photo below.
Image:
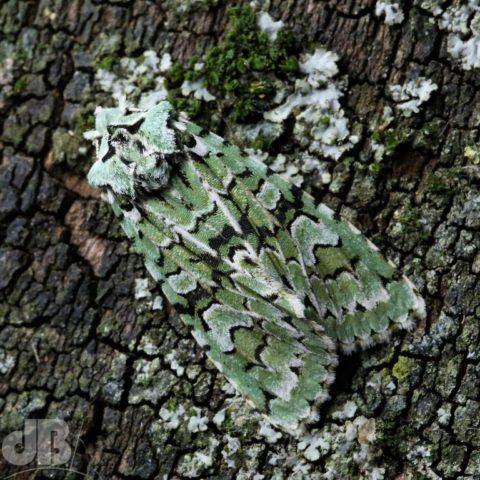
(270, 284)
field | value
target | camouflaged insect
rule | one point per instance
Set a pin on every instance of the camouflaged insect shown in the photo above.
(270, 284)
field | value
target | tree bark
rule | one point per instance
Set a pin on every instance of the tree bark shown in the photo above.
(76, 342)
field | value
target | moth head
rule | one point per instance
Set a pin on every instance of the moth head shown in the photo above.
(135, 149)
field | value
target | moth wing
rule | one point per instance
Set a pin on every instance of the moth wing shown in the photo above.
(349, 288)
(281, 363)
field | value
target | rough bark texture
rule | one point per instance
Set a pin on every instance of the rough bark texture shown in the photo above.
(75, 343)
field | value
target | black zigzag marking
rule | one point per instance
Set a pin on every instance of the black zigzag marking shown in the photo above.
(110, 152)
(269, 397)
(223, 238)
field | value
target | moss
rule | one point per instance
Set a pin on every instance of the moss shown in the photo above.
(401, 370)
(20, 56)
(172, 404)
(435, 183)
(445, 181)
(427, 136)
(146, 83)
(242, 71)
(106, 63)
(411, 219)
(84, 123)
(392, 138)
(20, 85)
(375, 167)
(262, 142)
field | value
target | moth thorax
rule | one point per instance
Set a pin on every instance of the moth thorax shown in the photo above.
(156, 175)
(147, 165)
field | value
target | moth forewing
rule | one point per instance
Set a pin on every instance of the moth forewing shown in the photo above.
(270, 284)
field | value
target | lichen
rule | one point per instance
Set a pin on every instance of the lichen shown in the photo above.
(410, 95)
(402, 368)
(391, 10)
(242, 72)
(138, 80)
(472, 153)
(461, 21)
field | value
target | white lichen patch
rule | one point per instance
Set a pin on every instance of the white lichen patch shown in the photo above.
(268, 25)
(287, 169)
(229, 389)
(219, 417)
(296, 168)
(462, 22)
(269, 432)
(231, 448)
(444, 415)
(7, 362)
(193, 464)
(250, 463)
(173, 360)
(6, 78)
(157, 303)
(196, 422)
(391, 11)
(378, 148)
(197, 88)
(140, 80)
(142, 289)
(172, 416)
(148, 345)
(147, 389)
(410, 95)
(320, 122)
(348, 411)
(420, 458)
(314, 444)
(354, 439)
(432, 6)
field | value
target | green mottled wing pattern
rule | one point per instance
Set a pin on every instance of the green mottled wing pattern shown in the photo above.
(269, 283)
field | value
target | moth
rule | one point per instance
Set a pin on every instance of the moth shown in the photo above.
(270, 284)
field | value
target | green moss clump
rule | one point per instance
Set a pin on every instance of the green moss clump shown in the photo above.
(242, 71)
(84, 122)
(20, 85)
(401, 370)
(392, 138)
(435, 183)
(172, 404)
(106, 63)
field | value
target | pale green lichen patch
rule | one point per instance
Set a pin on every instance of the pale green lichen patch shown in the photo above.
(472, 153)
(402, 368)
(410, 95)
(140, 80)
(391, 11)
(152, 383)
